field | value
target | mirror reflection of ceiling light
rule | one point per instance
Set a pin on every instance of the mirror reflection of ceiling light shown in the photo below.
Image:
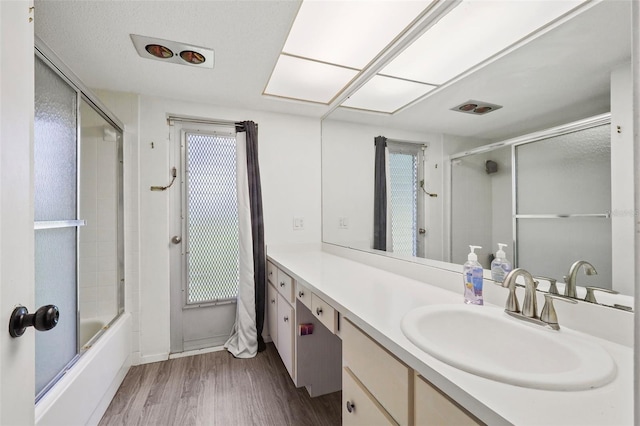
(165, 50)
(470, 34)
(386, 94)
(351, 33)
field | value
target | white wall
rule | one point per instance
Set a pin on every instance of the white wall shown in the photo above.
(289, 154)
(125, 107)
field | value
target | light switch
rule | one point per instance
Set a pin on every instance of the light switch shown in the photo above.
(298, 223)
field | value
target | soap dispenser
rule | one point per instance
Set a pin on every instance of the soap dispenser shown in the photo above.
(500, 266)
(472, 276)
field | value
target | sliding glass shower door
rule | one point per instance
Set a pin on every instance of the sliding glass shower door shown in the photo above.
(78, 214)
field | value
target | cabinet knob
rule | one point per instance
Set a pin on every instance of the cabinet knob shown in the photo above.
(270, 273)
(273, 300)
(318, 311)
(286, 319)
(350, 407)
(300, 293)
(281, 283)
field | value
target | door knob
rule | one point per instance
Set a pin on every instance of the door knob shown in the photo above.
(43, 319)
(176, 240)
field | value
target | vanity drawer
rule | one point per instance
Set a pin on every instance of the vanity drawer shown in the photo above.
(285, 286)
(432, 407)
(303, 294)
(324, 312)
(384, 376)
(272, 273)
(358, 406)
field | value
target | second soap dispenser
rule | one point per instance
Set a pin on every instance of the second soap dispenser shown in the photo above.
(500, 266)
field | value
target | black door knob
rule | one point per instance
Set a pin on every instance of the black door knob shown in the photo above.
(45, 318)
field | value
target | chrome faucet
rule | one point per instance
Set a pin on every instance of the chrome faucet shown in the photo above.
(529, 307)
(570, 280)
(548, 317)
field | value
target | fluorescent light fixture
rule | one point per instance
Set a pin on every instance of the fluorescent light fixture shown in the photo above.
(471, 33)
(303, 79)
(386, 94)
(349, 32)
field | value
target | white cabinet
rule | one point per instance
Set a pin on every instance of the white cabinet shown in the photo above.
(272, 313)
(312, 360)
(383, 376)
(432, 407)
(324, 312)
(285, 321)
(359, 407)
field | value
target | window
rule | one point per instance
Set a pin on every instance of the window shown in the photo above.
(212, 218)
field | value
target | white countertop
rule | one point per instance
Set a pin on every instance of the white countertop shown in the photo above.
(376, 301)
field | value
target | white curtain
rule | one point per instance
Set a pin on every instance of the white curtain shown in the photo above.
(243, 342)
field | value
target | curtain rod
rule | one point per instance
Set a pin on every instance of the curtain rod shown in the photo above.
(171, 118)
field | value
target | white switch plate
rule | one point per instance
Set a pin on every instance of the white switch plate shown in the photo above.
(298, 223)
(343, 222)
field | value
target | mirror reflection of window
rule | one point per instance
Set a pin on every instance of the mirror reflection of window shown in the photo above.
(407, 218)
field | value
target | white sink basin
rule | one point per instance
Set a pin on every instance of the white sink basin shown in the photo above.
(485, 341)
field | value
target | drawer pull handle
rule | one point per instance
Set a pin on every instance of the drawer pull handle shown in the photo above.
(300, 293)
(270, 273)
(281, 283)
(350, 407)
(273, 300)
(318, 311)
(286, 319)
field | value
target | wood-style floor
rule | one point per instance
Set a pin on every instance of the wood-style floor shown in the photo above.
(218, 389)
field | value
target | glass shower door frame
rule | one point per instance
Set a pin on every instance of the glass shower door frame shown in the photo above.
(50, 60)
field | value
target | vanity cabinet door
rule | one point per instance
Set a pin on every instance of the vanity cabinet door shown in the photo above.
(285, 321)
(272, 313)
(383, 375)
(434, 408)
(358, 406)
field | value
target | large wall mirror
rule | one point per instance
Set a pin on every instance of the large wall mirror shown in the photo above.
(559, 90)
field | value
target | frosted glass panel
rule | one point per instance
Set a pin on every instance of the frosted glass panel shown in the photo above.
(212, 229)
(548, 247)
(55, 172)
(565, 174)
(55, 133)
(403, 170)
(55, 273)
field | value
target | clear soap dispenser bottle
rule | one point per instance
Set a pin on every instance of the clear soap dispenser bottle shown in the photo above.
(472, 276)
(500, 266)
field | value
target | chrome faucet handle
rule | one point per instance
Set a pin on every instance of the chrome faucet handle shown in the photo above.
(548, 314)
(553, 288)
(592, 298)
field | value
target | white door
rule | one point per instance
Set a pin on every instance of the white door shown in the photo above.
(17, 355)
(205, 241)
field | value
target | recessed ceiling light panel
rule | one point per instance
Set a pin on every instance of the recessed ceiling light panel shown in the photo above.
(173, 51)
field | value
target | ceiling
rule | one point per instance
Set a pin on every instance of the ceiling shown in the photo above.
(559, 76)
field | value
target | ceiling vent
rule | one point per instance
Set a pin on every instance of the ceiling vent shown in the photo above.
(476, 107)
(173, 51)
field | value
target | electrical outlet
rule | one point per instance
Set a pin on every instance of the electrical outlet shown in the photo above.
(298, 223)
(343, 222)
